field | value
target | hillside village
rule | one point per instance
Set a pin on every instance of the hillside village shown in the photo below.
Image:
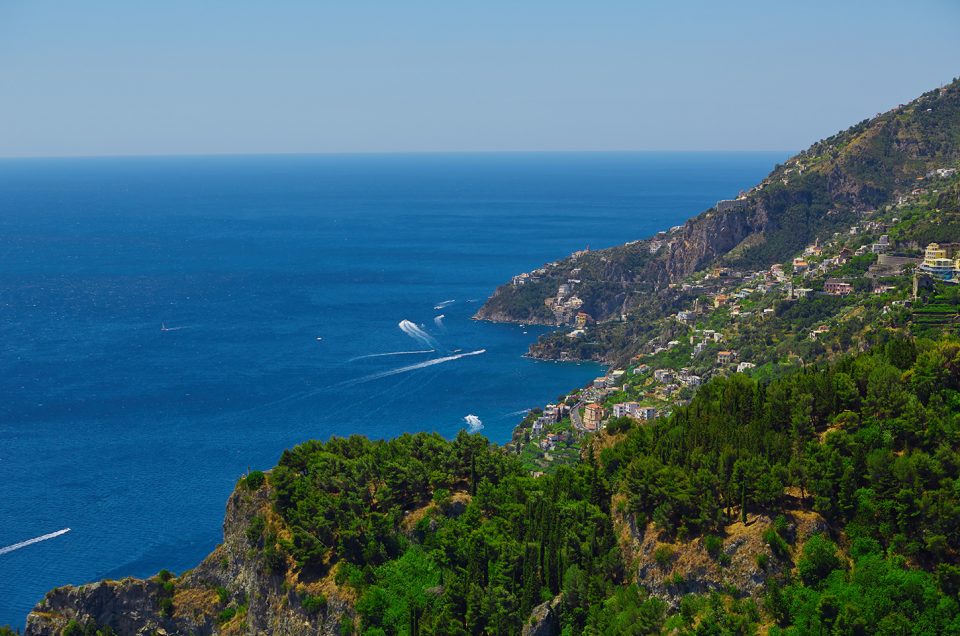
(817, 303)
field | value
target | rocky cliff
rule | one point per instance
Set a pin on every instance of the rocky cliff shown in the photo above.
(814, 194)
(748, 555)
(231, 592)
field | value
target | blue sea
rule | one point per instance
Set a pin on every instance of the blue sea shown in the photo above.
(167, 324)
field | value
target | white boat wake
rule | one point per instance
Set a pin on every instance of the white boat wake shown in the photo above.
(438, 321)
(23, 544)
(411, 367)
(418, 334)
(391, 353)
(445, 303)
(474, 423)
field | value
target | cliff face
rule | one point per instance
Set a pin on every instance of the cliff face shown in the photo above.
(743, 559)
(230, 592)
(820, 191)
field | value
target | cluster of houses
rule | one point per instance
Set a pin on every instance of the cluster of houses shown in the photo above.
(580, 321)
(673, 379)
(594, 413)
(550, 441)
(724, 288)
(706, 337)
(546, 439)
(529, 277)
(634, 410)
(604, 385)
(564, 307)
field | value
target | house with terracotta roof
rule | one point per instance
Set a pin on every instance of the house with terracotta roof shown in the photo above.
(592, 416)
(726, 357)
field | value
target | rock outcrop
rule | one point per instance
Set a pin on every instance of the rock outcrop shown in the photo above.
(742, 561)
(544, 619)
(231, 592)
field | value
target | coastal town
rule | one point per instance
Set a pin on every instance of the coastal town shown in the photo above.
(824, 289)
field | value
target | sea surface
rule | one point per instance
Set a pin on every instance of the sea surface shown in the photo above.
(168, 323)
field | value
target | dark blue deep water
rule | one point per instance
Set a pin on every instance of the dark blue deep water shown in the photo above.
(133, 437)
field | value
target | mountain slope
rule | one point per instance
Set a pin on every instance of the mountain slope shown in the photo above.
(819, 191)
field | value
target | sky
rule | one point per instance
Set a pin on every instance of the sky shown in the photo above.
(132, 77)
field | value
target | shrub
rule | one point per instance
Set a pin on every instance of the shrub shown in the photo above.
(441, 497)
(254, 480)
(777, 545)
(619, 425)
(762, 561)
(273, 559)
(818, 561)
(313, 604)
(226, 615)
(713, 544)
(663, 555)
(255, 529)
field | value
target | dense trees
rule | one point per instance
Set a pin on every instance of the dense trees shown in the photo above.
(491, 542)
(454, 537)
(868, 441)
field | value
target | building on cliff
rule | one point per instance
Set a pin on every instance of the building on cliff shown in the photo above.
(938, 262)
(592, 416)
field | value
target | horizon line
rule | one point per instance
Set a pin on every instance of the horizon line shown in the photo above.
(174, 155)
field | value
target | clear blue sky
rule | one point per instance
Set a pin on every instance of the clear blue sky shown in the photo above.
(99, 77)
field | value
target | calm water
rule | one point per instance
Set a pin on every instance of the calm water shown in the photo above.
(274, 276)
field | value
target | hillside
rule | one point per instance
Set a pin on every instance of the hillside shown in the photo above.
(824, 189)
(825, 498)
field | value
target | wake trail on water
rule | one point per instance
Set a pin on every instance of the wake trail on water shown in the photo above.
(474, 423)
(418, 334)
(438, 321)
(391, 353)
(23, 544)
(304, 395)
(408, 368)
(445, 303)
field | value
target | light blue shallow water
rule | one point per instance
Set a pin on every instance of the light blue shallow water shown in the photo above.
(133, 437)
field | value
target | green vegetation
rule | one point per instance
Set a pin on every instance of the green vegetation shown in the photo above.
(73, 628)
(847, 419)
(165, 592)
(254, 480)
(868, 442)
(517, 541)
